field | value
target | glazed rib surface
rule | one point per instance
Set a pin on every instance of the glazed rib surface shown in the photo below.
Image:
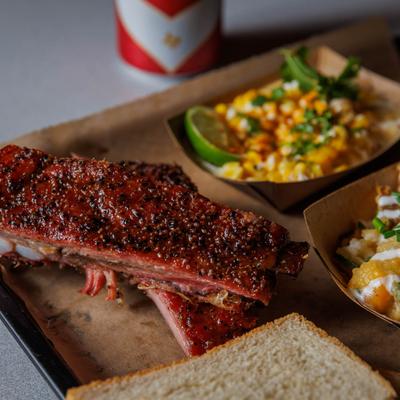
(107, 211)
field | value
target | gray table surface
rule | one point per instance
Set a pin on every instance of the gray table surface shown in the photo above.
(58, 62)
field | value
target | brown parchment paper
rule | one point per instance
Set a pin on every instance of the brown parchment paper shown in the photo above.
(100, 339)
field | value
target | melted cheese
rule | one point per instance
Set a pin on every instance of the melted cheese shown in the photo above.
(373, 269)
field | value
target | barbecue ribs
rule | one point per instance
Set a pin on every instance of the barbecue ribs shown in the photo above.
(144, 221)
(99, 215)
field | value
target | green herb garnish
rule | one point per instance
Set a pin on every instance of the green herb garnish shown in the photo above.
(259, 100)
(309, 114)
(396, 229)
(396, 196)
(378, 224)
(253, 125)
(381, 227)
(295, 67)
(303, 146)
(388, 234)
(306, 128)
(277, 93)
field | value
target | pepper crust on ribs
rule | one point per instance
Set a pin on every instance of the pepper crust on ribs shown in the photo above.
(89, 213)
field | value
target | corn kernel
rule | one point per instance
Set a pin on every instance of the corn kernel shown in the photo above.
(340, 132)
(230, 113)
(360, 121)
(221, 108)
(242, 100)
(253, 157)
(341, 167)
(285, 150)
(271, 162)
(340, 105)
(322, 156)
(249, 167)
(300, 168)
(316, 170)
(320, 106)
(282, 131)
(235, 122)
(287, 107)
(298, 116)
(270, 108)
(267, 124)
(346, 118)
(231, 170)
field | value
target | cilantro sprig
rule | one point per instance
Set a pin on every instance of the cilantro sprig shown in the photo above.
(253, 124)
(276, 94)
(296, 67)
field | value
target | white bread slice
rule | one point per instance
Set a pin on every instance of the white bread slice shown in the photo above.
(289, 358)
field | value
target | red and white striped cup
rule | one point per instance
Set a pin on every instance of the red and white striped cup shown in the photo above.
(169, 37)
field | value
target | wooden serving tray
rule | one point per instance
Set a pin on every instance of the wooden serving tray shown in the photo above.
(100, 339)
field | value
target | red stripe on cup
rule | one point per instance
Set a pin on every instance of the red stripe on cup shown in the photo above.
(204, 56)
(171, 7)
(133, 54)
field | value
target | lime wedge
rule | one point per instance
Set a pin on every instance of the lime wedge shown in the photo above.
(210, 137)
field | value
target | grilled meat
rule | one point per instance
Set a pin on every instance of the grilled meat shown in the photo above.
(166, 173)
(96, 214)
(198, 327)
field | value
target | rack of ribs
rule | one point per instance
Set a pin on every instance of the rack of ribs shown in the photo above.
(143, 222)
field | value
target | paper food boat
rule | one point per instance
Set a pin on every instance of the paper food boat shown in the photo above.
(336, 215)
(284, 195)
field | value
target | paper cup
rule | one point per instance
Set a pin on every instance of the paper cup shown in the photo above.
(168, 37)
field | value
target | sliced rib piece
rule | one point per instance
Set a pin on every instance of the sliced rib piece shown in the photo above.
(198, 327)
(88, 212)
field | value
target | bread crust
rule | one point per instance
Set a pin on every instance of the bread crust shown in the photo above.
(74, 393)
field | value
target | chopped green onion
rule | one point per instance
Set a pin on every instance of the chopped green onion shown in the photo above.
(301, 147)
(307, 128)
(253, 125)
(388, 234)
(378, 224)
(259, 100)
(295, 67)
(277, 93)
(351, 70)
(396, 196)
(309, 114)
